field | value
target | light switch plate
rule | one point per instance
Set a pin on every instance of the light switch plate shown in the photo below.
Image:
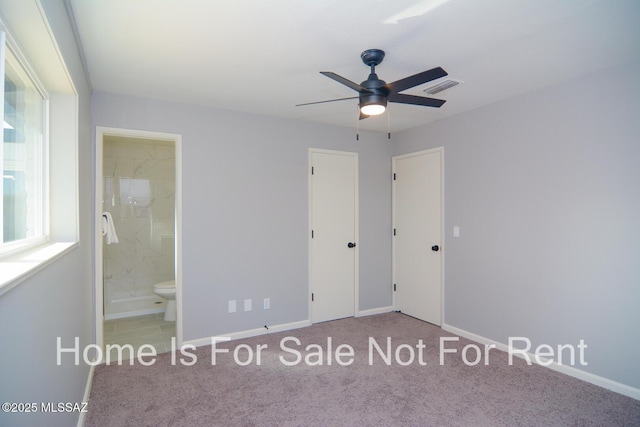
(456, 231)
(247, 305)
(232, 306)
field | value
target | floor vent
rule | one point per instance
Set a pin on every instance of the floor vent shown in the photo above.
(442, 86)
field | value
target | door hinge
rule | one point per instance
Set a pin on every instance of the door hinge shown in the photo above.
(394, 231)
(394, 287)
(311, 170)
(312, 234)
(312, 297)
(394, 176)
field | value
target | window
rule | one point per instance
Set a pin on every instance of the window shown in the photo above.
(23, 155)
(39, 151)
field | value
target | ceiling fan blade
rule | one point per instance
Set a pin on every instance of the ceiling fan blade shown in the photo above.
(346, 82)
(329, 100)
(402, 98)
(416, 79)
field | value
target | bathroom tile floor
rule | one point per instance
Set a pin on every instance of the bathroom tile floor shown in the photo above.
(149, 329)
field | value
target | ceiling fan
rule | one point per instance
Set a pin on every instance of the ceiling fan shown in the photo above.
(373, 93)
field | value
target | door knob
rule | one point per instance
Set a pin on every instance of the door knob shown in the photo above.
(435, 248)
(351, 245)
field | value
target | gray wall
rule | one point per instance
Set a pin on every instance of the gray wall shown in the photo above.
(245, 209)
(57, 301)
(546, 190)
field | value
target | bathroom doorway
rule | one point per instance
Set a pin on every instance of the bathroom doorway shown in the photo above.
(138, 239)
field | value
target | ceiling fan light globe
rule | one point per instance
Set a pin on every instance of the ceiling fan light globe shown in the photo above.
(372, 109)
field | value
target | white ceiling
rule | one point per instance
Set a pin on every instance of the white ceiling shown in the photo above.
(264, 56)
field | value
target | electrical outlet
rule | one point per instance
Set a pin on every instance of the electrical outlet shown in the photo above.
(232, 306)
(266, 304)
(247, 305)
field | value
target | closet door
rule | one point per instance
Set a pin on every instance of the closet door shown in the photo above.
(333, 234)
(418, 238)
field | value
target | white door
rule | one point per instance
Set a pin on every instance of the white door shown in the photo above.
(333, 248)
(417, 249)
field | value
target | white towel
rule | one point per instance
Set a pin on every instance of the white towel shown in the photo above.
(108, 228)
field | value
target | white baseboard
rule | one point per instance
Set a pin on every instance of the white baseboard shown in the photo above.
(87, 393)
(248, 333)
(275, 328)
(373, 311)
(612, 385)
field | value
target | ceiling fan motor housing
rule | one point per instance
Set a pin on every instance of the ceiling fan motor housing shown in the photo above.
(378, 92)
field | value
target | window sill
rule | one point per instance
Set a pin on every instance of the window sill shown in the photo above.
(15, 269)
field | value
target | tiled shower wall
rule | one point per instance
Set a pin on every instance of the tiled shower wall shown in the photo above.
(139, 192)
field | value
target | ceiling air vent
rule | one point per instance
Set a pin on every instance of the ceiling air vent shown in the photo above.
(442, 86)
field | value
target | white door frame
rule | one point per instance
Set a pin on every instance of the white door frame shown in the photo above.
(97, 208)
(356, 291)
(439, 150)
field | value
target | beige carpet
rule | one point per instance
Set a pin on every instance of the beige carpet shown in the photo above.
(365, 392)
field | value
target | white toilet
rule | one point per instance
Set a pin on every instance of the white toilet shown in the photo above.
(167, 290)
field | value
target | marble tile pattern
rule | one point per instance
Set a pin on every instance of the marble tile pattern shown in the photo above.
(139, 191)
